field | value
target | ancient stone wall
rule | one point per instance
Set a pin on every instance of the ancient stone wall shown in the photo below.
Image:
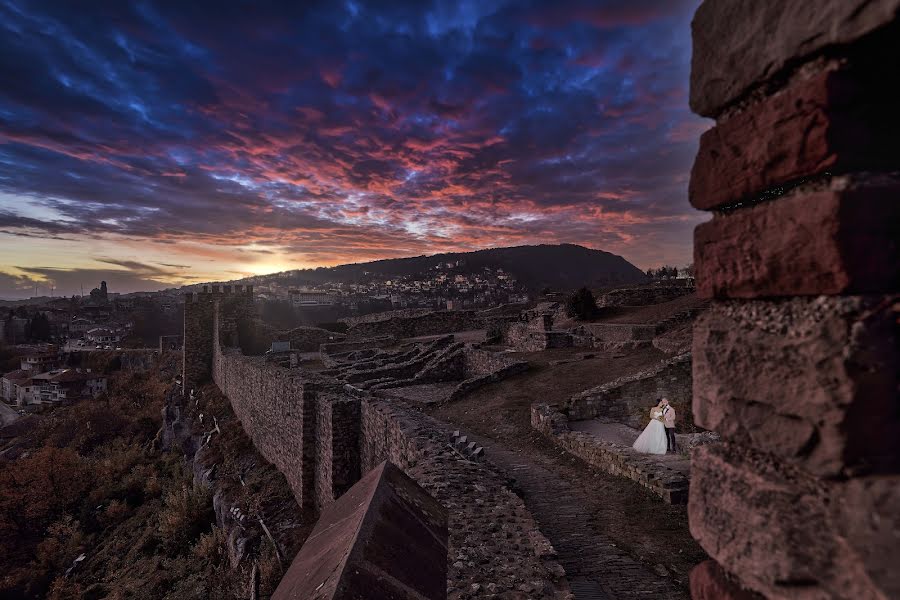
(386, 316)
(481, 362)
(796, 363)
(308, 339)
(199, 309)
(483, 367)
(417, 324)
(534, 332)
(337, 445)
(620, 336)
(494, 541)
(323, 436)
(629, 399)
(277, 409)
(643, 296)
(523, 336)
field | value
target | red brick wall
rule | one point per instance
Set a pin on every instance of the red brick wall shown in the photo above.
(796, 362)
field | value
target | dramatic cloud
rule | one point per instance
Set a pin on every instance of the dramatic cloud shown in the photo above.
(232, 138)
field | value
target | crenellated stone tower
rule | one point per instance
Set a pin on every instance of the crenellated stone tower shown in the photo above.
(796, 362)
(233, 302)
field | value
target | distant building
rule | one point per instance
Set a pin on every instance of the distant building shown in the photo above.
(102, 335)
(15, 387)
(310, 298)
(66, 386)
(100, 295)
(97, 312)
(80, 325)
(39, 362)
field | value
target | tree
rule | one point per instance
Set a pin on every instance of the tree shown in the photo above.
(581, 305)
(39, 327)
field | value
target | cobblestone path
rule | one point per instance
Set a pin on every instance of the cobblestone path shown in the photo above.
(596, 568)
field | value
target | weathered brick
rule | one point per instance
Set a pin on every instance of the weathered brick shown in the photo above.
(710, 582)
(837, 240)
(775, 528)
(739, 44)
(385, 538)
(812, 380)
(824, 123)
(865, 511)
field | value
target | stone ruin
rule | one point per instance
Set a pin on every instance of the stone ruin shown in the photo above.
(546, 327)
(646, 294)
(385, 538)
(325, 434)
(418, 322)
(796, 362)
(434, 371)
(624, 401)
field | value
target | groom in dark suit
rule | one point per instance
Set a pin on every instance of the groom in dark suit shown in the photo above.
(669, 422)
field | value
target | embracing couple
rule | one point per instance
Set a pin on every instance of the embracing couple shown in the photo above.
(659, 435)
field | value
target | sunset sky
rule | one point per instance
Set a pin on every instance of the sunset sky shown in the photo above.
(159, 143)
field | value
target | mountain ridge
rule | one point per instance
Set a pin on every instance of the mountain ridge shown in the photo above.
(558, 266)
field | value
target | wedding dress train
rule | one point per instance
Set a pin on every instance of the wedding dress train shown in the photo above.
(653, 439)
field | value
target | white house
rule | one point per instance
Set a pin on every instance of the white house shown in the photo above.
(16, 387)
(102, 335)
(67, 385)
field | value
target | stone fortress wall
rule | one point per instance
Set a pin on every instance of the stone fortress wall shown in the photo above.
(796, 363)
(647, 294)
(371, 365)
(418, 322)
(628, 399)
(324, 435)
(414, 323)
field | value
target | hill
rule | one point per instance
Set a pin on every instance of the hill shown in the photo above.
(563, 266)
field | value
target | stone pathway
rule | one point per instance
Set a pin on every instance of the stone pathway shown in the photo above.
(624, 435)
(596, 568)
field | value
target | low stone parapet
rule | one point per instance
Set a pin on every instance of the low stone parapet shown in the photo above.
(610, 457)
(668, 484)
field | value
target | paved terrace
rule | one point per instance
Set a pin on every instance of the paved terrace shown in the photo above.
(623, 435)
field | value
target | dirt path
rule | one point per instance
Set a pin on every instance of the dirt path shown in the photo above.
(615, 539)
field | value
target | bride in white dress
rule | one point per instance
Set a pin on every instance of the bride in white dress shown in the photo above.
(653, 439)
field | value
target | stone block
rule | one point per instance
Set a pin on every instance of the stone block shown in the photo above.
(867, 517)
(710, 582)
(737, 45)
(812, 380)
(842, 239)
(775, 529)
(827, 122)
(385, 538)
